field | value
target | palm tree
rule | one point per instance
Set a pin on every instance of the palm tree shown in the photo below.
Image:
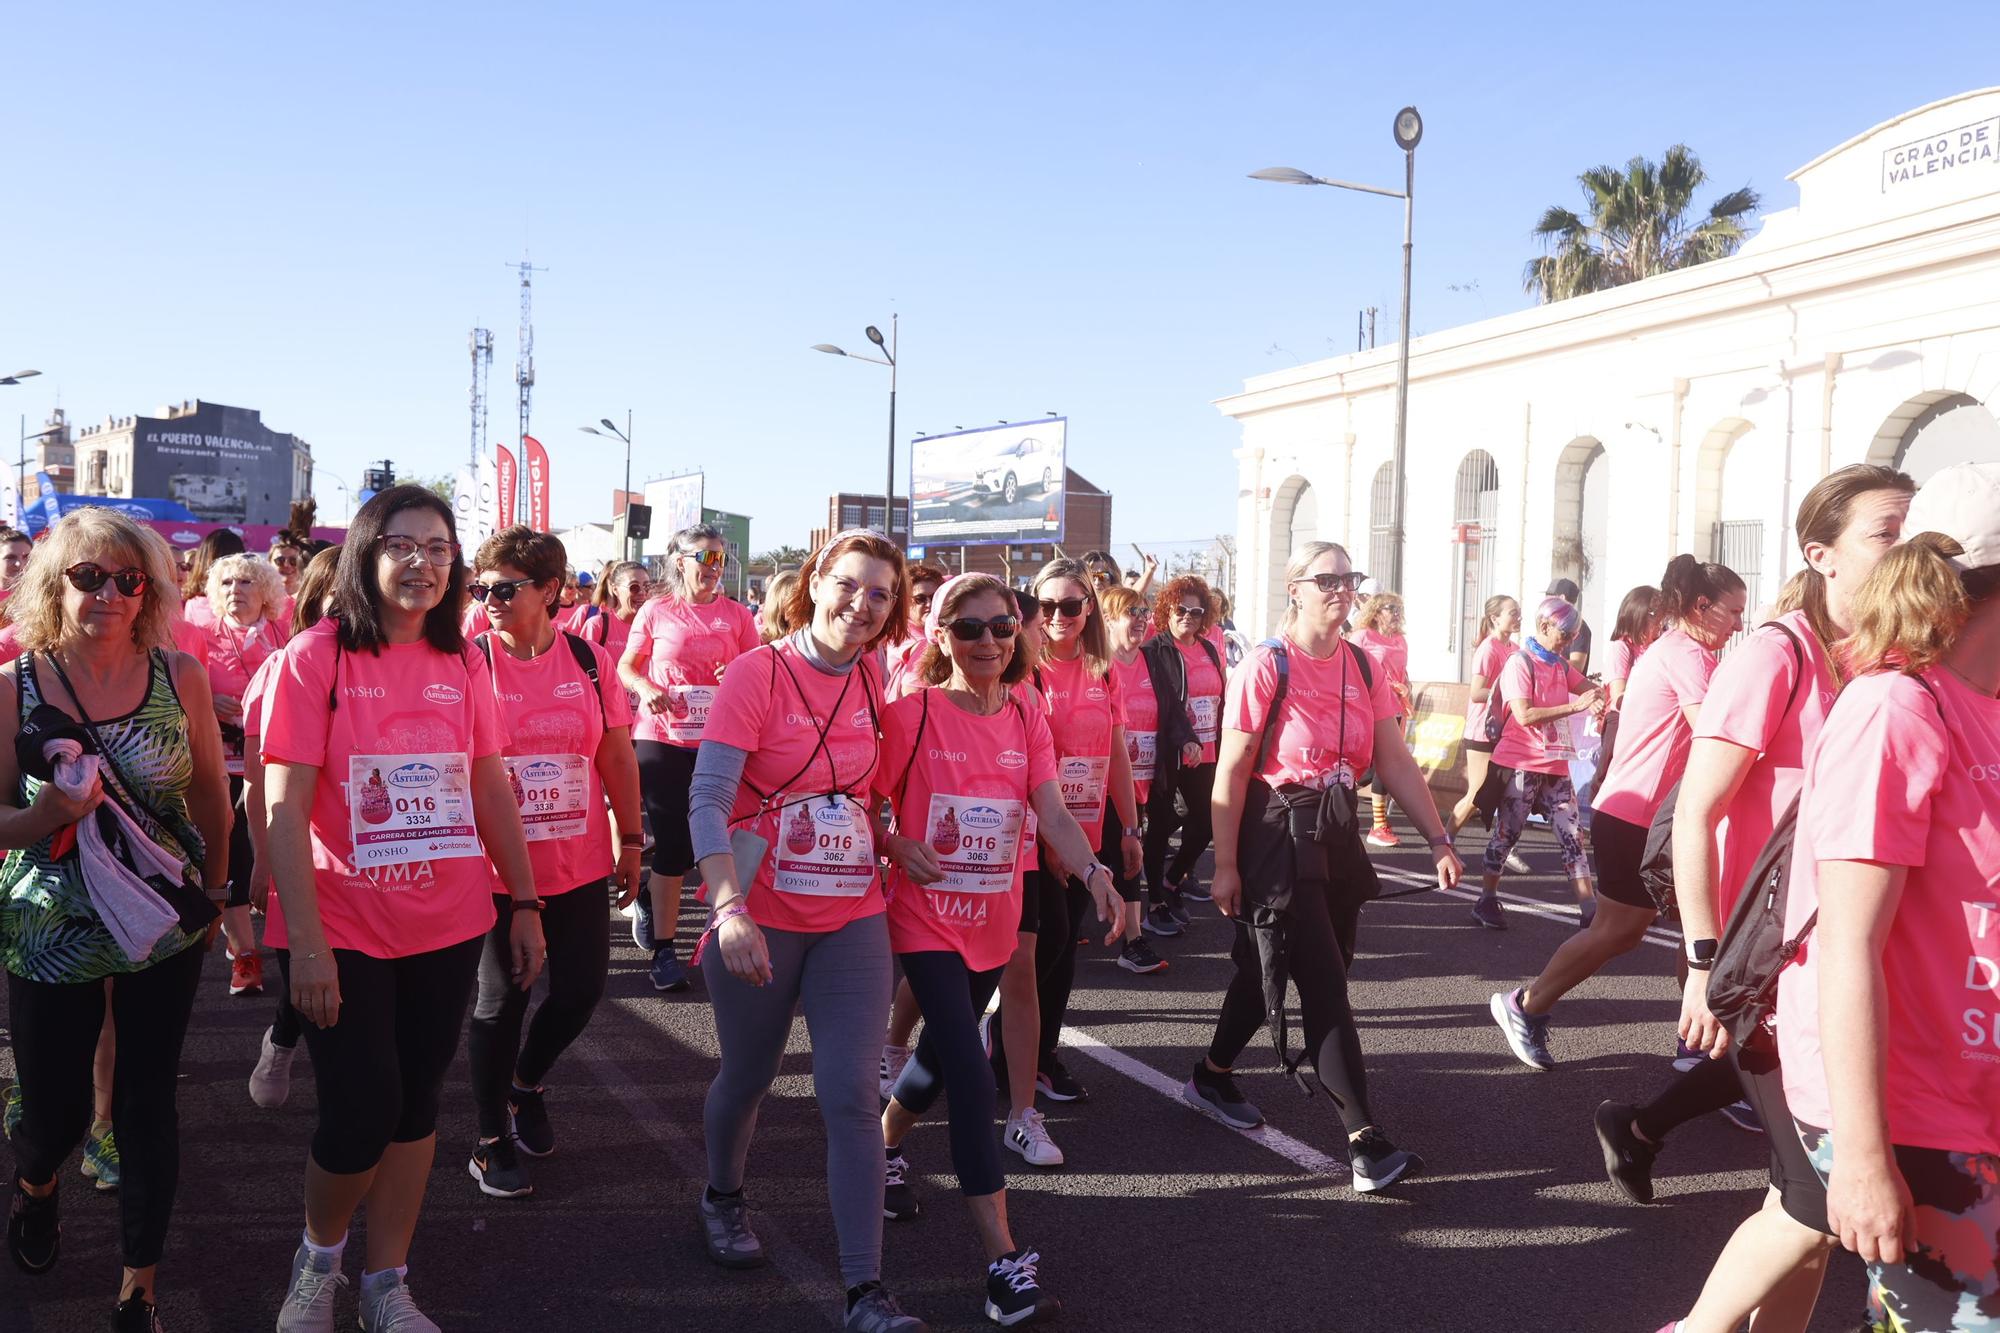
(781, 557)
(1637, 227)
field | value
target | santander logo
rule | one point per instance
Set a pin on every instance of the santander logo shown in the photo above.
(443, 694)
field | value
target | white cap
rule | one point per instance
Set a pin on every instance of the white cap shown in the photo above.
(1369, 587)
(1963, 503)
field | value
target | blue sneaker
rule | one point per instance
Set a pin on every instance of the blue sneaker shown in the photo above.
(1744, 1116)
(668, 974)
(1526, 1033)
(642, 922)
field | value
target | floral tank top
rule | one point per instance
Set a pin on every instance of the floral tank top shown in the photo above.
(48, 929)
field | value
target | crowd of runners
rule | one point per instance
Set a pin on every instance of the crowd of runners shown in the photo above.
(903, 796)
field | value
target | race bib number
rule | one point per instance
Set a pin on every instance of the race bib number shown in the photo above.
(1082, 783)
(1205, 711)
(553, 791)
(977, 840)
(687, 710)
(825, 848)
(410, 807)
(1142, 748)
(1557, 741)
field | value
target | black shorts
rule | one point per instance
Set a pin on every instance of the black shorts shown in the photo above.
(1620, 848)
(1799, 1187)
(1478, 746)
(665, 772)
(1035, 885)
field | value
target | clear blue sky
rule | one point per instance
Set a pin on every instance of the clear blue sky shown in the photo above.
(305, 209)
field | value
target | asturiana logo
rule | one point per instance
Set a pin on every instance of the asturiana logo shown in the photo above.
(414, 775)
(980, 816)
(832, 814)
(1012, 759)
(542, 770)
(570, 689)
(442, 694)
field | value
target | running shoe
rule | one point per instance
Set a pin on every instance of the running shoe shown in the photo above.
(899, 1200)
(1628, 1159)
(668, 974)
(388, 1307)
(876, 1311)
(271, 1080)
(136, 1314)
(1686, 1057)
(10, 1117)
(34, 1230)
(100, 1159)
(1742, 1115)
(1382, 836)
(1028, 1135)
(1177, 906)
(1014, 1295)
(1526, 1033)
(1516, 865)
(1586, 912)
(891, 1068)
(497, 1168)
(308, 1307)
(1378, 1163)
(1138, 956)
(725, 1229)
(1057, 1084)
(1193, 890)
(642, 921)
(1489, 913)
(246, 974)
(530, 1113)
(1218, 1094)
(1159, 921)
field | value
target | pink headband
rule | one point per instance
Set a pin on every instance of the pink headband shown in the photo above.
(812, 570)
(931, 616)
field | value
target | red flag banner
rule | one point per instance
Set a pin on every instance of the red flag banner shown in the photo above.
(507, 478)
(538, 483)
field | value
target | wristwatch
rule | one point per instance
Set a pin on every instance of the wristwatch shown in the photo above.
(1700, 954)
(1131, 831)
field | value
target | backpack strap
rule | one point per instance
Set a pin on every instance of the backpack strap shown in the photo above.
(1281, 658)
(588, 661)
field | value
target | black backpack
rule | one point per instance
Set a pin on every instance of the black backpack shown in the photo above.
(577, 649)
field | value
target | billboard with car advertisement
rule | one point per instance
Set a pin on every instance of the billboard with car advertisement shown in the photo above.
(999, 484)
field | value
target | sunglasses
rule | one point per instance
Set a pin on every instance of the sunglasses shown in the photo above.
(1334, 582)
(966, 629)
(285, 561)
(1190, 613)
(1072, 607)
(705, 558)
(1140, 612)
(502, 591)
(923, 599)
(89, 578)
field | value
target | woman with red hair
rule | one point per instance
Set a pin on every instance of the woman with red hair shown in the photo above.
(1187, 675)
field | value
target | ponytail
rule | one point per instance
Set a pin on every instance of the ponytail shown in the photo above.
(1689, 581)
(1823, 515)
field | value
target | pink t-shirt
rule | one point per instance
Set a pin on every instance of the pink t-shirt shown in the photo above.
(554, 727)
(1624, 655)
(1487, 659)
(810, 737)
(964, 784)
(254, 694)
(409, 711)
(1899, 779)
(231, 656)
(1204, 697)
(197, 611)
(1326, 726)
(1746, 706)
(1390, 654)
(474, 622)
(1083, 710)
(1033, 692)
(682, 644)
(903, 657)
(1546, 747)
(1653, 732)
(607, 629)
(1142, 721)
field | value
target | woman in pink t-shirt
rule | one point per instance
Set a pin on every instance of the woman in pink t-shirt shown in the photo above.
(1379, 633)
(1638, 624)
(1499, 622)
(963, 765)
(1289, 862)
(569, 755)
(627, 588)
(681, 642)
(1187, 676)
(1126, 615)
(903, 656)
(1889, 1026)
(389, 814)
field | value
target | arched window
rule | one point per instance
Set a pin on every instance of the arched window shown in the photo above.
(1475, 513)
(1382, 523)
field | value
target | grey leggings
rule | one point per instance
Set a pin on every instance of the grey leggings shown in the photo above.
(842, 980)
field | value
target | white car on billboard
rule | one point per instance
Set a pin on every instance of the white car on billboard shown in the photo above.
(1027, 461)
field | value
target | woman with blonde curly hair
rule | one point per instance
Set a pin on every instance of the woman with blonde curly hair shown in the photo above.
(1186, 672)
(1379, 633)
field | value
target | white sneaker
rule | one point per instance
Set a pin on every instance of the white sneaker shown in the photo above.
(891, 1068)
(1517, 866)
(271, 1080)
(1028, 1135)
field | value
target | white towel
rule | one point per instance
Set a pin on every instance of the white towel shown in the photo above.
(135, 915)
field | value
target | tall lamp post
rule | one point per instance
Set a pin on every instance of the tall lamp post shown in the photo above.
(21, 476)
(888, 358)
(1409, 131)
(611, 432)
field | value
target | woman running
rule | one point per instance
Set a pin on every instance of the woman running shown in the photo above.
(963, 763)
(568, 751)
(247, 596)
(1889, 1026)
(1186, 674)
(1498, 624)
(389, 813)
(680, 644)
(1126, 615)
(781, 813)
(1289, 863)
(1704, 605)
(1380, 635)
(94, 614)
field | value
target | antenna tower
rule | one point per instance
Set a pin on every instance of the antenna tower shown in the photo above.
(482, 363)
(524, 376)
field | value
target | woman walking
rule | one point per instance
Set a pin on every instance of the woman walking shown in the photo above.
(1186, 674)
(1380, 635)
(1499, 622)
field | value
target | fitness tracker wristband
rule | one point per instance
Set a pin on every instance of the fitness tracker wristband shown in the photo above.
(1700, 954)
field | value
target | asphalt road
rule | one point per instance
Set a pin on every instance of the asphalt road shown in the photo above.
(1163, 1219)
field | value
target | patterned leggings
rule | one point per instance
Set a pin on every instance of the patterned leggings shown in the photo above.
(1549, 793)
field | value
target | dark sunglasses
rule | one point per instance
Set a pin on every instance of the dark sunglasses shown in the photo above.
(705, 558)
(501, 592)
(968, 630)
(1071, 607)
(1335, 582)
(87, 577)
(923, 599)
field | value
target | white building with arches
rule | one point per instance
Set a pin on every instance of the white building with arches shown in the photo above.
(1596, 437)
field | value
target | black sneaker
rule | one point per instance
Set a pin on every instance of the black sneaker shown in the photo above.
(1218, 1094)
(34, 1230)
(1159, 921)
(1058, 1084)
(136, 1314)
(1013, 1293)
(1378, 1163)
(1138, 956)
(1628, 1159)
(1177, 906)
(530, 1113)
(498, 1170)
(899, 1201)
(1192, 890)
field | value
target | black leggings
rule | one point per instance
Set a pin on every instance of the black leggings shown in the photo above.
(665, 772)
(949, 1059)
(1065, 911)
(579, 952)
(55, 1045)
(1196, 785)
(1319, 943)
(380, 1068)
(241, 859)
(1111, 851)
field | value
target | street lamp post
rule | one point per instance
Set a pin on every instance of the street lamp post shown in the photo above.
(1408, 131)
(888, 358)
(611, 432)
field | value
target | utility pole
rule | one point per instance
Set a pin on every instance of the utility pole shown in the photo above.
(482, 365)
(524, 376)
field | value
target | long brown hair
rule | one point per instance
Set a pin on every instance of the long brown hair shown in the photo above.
(1823, 515)
(1490, 617)
(1909, 610)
